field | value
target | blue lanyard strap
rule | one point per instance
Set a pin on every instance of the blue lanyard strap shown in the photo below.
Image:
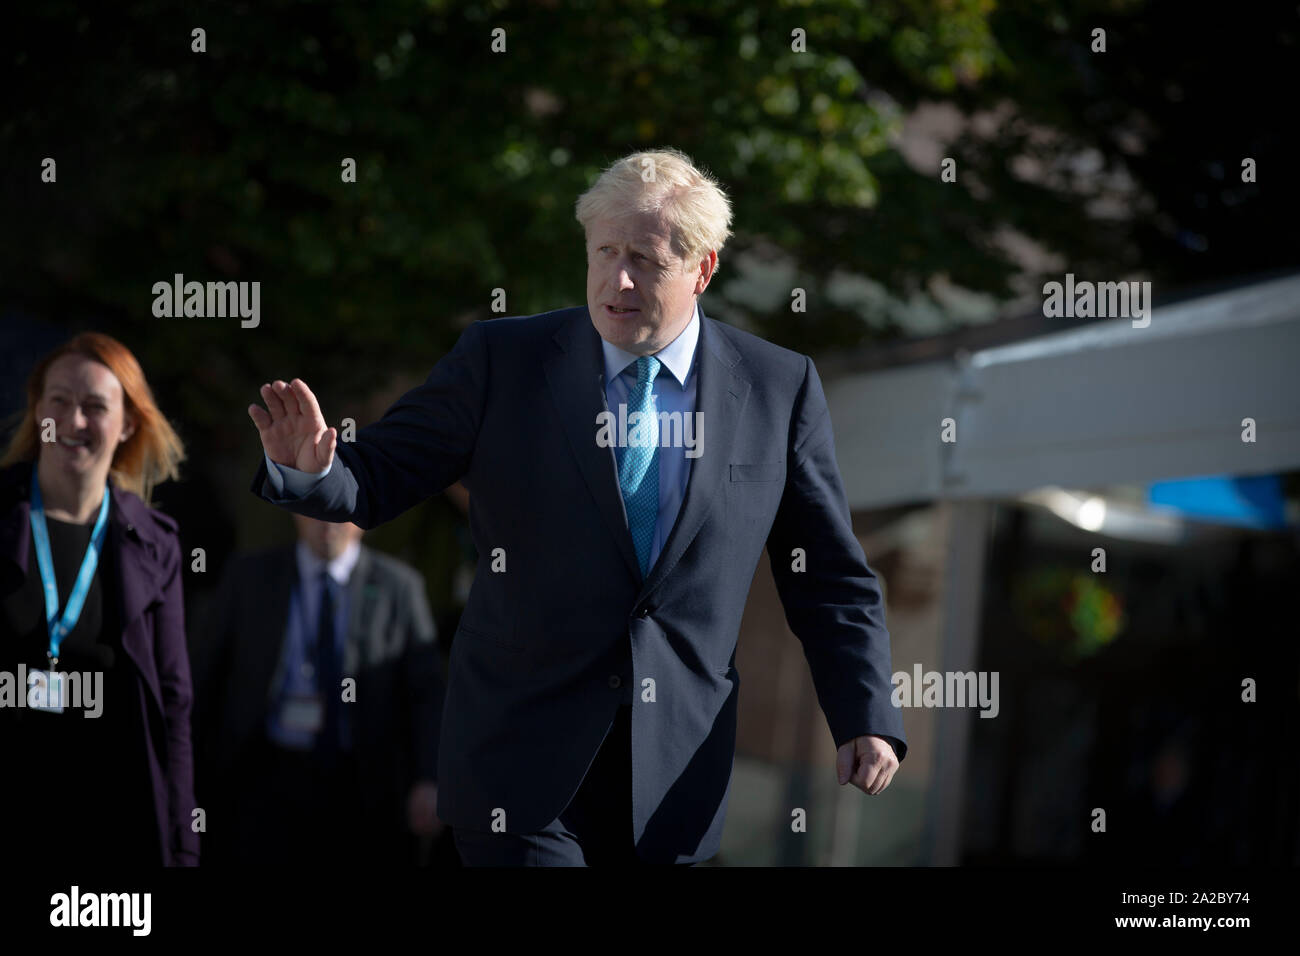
(59, 627)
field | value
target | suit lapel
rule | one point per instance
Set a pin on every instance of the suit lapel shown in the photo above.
(575, 373)
(720, 396)
(264, 645)
(140, 588)
(360, 595)
(138, 578)
(15, 528)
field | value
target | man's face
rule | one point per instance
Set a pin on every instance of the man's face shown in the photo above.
(327, 539)
(631, 266)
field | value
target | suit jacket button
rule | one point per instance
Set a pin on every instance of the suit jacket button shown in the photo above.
(615, 682)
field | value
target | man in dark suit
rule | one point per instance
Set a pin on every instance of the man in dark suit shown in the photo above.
(619, 515)
(319, 697)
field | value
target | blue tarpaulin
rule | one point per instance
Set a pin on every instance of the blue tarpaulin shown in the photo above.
(1253, 501)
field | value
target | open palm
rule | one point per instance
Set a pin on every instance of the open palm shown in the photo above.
(292, 427)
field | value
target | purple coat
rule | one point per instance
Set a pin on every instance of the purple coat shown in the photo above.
(148, 554)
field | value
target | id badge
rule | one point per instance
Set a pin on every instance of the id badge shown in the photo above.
(303, 713)
(45, 691)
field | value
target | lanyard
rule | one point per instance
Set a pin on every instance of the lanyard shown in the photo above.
(59, 627)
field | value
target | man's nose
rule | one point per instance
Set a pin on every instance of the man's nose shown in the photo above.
(624, 280)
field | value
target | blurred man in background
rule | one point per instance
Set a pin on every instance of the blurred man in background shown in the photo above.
(319, 704)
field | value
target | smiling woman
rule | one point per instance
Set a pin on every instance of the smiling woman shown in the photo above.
(90, 583)
(89, 400)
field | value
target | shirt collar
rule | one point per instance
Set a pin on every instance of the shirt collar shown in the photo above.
(676, 356)
(340, 568)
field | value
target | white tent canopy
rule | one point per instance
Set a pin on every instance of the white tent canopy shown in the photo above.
(1098, 404)
(1093, 406)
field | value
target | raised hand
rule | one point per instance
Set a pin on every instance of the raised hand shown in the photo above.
(292, 427)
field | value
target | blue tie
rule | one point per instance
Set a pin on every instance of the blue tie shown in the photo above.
(638, 466)
(329, 679)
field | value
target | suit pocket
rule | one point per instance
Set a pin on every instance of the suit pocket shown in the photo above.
(476, 635)
(759, 471)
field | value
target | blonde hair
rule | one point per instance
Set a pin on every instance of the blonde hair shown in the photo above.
(154, 450)
(663, 181)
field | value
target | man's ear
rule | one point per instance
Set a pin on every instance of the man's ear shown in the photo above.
(708, 265)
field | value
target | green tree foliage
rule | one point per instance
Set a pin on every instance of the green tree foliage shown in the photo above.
(225, 165)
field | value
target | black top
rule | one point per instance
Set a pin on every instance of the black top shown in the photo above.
(78, 787)
(24, 610)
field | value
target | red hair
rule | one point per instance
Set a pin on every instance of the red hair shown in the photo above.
(154, 450)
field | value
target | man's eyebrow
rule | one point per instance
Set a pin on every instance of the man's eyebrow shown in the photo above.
(647, 251)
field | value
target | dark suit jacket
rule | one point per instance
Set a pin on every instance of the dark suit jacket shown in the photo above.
(148, 557)
(390, 650)
(512, 412)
